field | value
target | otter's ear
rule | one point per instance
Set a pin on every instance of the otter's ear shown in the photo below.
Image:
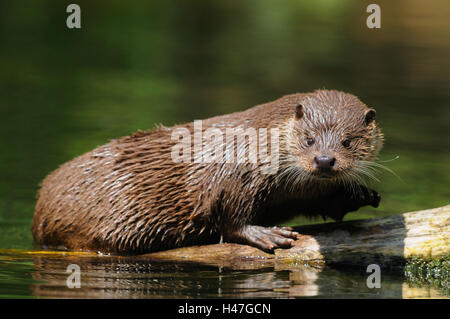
(370, 116)
(298, 111)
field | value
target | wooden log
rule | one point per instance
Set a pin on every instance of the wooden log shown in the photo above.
(387, 241)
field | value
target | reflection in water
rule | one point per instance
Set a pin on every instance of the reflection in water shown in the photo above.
(130, 277)
(134, 277)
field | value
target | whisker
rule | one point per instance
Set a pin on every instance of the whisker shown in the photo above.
(393, 159)
(374, 165)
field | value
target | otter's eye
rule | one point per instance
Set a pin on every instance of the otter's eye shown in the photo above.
(309, 141)
(346, 143)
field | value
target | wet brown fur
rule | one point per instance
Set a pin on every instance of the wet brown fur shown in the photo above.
(129, 196)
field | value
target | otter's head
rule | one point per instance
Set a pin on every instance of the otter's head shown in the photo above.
(336, 137)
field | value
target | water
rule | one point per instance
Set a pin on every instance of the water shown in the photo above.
(64, 92)
(45, 276)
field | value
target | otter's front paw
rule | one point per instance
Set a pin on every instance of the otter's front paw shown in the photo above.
(368, 197)
(265, 238)
(342, 203)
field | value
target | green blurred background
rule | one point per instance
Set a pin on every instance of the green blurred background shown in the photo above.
(134, 64)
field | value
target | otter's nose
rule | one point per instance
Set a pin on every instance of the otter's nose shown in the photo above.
(324, 162)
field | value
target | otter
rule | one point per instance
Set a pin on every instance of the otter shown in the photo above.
(130, 196)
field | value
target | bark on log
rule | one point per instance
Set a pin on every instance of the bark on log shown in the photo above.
(386, 241)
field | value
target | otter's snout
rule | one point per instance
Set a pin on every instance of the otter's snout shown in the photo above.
(324, 163)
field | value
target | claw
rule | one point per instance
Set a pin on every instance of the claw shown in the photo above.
(376, 198)
(265, 238)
